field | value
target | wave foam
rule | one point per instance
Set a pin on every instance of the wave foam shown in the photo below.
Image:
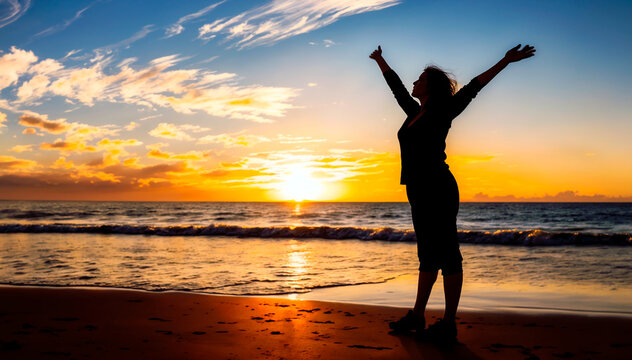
(501, 237)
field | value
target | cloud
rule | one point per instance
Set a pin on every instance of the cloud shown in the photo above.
(62, 163)
(67, 146)
(12, 10)
(140, 34)
(288, 139)
(194, 128)
(10, 162)
(40, 121)
(177, 28)
(131, 126)
(190, 155)
(150, 117)
(232, 140)
(37, 86)
(117, 144)
(113, 149)
(170, 131)
(278, 165)
(184, 90)
(564, 196)
(21, 148)
(31, 131)
(281, 19)
(3, 119)
(71, 53)
(84, 132)
(13, 65)
(59, 27)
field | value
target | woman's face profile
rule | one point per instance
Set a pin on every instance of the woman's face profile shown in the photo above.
(420, 87)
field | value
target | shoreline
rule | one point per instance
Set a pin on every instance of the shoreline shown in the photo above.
(47, 322)
(399, 292)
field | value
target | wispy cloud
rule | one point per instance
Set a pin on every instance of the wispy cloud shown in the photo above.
(176, 132)
(186, 91)
(3, 119)
(71, 53)
(11, 10)
(150, 117)
(177, 28)
(289, 139)
(146, 30)
(157, 153)
(281, 19)
(232, 140)
(59, 27)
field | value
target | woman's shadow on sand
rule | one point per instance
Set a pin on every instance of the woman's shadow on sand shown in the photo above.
(425, 350)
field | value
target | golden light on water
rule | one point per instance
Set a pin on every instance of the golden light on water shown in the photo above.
(297, 262)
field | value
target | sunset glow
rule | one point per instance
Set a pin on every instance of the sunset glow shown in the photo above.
(299, 185)
(278, 100)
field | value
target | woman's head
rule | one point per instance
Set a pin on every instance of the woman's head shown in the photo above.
(433, 84)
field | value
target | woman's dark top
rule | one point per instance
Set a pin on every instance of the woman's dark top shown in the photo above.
(422, 144)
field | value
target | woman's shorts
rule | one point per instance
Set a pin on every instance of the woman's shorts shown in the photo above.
(434, 203)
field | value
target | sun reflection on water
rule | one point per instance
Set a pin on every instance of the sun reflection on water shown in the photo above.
(297, 263)
(297, 209)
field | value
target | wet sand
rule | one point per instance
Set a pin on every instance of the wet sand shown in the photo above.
(74, 323)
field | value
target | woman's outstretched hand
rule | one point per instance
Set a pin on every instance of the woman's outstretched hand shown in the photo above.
(517, 54)
(377, 54)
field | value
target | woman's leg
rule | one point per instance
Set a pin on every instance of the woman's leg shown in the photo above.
(453, 282)
(424, 287)
(452, 285)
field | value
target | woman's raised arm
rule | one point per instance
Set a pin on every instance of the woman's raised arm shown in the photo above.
(377, 56)
(405, 101)
(513, 55)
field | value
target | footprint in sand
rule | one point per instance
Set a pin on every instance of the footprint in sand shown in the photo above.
(370, 347)
(159, 319)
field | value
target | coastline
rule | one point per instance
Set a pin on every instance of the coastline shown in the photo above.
(400, 292)
(46, 322)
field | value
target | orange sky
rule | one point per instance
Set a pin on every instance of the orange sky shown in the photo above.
(214, 103)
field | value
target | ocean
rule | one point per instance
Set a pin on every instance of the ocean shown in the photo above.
(304, 249)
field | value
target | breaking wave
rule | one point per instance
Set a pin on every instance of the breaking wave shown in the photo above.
(502, 237)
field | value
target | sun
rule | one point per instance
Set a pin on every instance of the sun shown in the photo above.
(299, 185)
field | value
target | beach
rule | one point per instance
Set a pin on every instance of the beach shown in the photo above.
(98, 323)
(87, 280)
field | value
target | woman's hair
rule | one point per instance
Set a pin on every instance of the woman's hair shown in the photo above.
(440, 85)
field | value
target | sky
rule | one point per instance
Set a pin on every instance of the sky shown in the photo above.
(277, 100)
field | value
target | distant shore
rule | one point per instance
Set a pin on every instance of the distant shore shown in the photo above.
(43, 322)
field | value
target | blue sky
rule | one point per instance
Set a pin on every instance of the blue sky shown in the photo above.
(292, 90)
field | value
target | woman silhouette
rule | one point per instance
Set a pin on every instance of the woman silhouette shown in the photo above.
(430, 186)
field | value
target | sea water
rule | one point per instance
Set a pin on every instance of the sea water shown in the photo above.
(515, 253)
